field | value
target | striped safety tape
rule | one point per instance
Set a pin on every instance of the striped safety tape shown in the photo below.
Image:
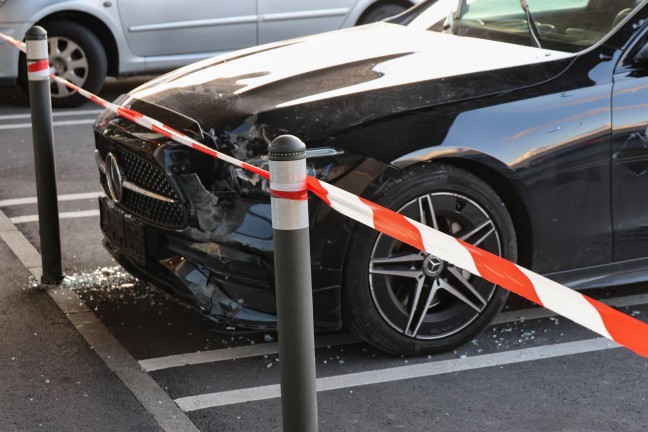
(20, 45)
(596, 316)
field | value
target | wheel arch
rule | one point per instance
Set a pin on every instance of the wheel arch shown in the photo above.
(499, 176)
(405, 3)
(94, 25)
(510, 189)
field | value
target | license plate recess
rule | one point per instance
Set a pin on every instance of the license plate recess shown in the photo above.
(125, 234)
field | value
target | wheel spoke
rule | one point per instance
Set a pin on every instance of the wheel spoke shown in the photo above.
(413, 308)
(78, 64)
(398, 259)
(59, 89)
(52, 45)
(67, 52)
(74, 78)
(478, 303)
(414, 274)
(398, 265)
(426, 209)
(480, 228)
(424, 308)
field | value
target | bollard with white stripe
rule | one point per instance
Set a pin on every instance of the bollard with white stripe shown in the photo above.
(43, 140)
(287, 155)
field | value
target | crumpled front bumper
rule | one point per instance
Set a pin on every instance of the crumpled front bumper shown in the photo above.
(232, 286)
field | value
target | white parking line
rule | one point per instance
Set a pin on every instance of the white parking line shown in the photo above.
(54, 114)
(210, 400)
(256, 350)
(64, 215)
(33, 200)
(59, 123)
(235, 353)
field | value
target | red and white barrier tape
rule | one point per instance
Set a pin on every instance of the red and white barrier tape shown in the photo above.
(594, 315)
(15, 42)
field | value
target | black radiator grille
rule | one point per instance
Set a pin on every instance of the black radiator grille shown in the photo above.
(145, 174)
(166, 214)
(149, 176)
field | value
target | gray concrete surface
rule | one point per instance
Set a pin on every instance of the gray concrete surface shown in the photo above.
(51, 379)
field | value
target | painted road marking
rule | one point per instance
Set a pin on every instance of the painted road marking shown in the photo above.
(58, 123)
(257, 350)
(54, 114)
(211, 400)
(63, 215)
(33, 200)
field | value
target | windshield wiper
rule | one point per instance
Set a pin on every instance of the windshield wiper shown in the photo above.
(533, 29)
(453, 17)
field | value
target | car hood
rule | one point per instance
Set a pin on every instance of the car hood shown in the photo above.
(317, 85)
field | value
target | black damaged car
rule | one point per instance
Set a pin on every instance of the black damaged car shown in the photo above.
(517, 126)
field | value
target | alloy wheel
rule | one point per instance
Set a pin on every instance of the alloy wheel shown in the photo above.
(421, 296)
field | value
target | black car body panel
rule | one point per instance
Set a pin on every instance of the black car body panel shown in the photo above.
(561, 137)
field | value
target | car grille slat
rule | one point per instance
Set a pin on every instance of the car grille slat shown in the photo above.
(171, 215)
(149, 176)
(143, 174)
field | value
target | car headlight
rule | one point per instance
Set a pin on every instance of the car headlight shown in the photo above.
(326, 164)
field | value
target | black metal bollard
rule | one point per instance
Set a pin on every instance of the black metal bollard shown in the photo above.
(43, 138)
(287, 155)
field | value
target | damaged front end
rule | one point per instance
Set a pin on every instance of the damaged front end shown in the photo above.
(198, 227)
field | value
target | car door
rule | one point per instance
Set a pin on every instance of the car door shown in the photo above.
(284, 19)
(630, 154)
(171, 27)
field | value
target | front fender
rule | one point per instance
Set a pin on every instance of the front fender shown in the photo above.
(504, 180)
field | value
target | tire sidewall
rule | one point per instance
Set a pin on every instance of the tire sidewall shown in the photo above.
(359, 310)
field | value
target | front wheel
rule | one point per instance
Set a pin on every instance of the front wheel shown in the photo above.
(76, 54)
(405, 301)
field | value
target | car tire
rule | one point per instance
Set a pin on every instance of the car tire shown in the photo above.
(76, 54)
(384, 278)
(380, 12)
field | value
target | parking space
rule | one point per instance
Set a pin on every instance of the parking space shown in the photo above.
(529, 371)
(528, 358)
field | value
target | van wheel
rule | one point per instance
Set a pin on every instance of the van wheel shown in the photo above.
(76, 54)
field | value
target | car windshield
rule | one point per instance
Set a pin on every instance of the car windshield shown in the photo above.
(564, 25)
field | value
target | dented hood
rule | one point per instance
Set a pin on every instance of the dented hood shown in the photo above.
(367, 72)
